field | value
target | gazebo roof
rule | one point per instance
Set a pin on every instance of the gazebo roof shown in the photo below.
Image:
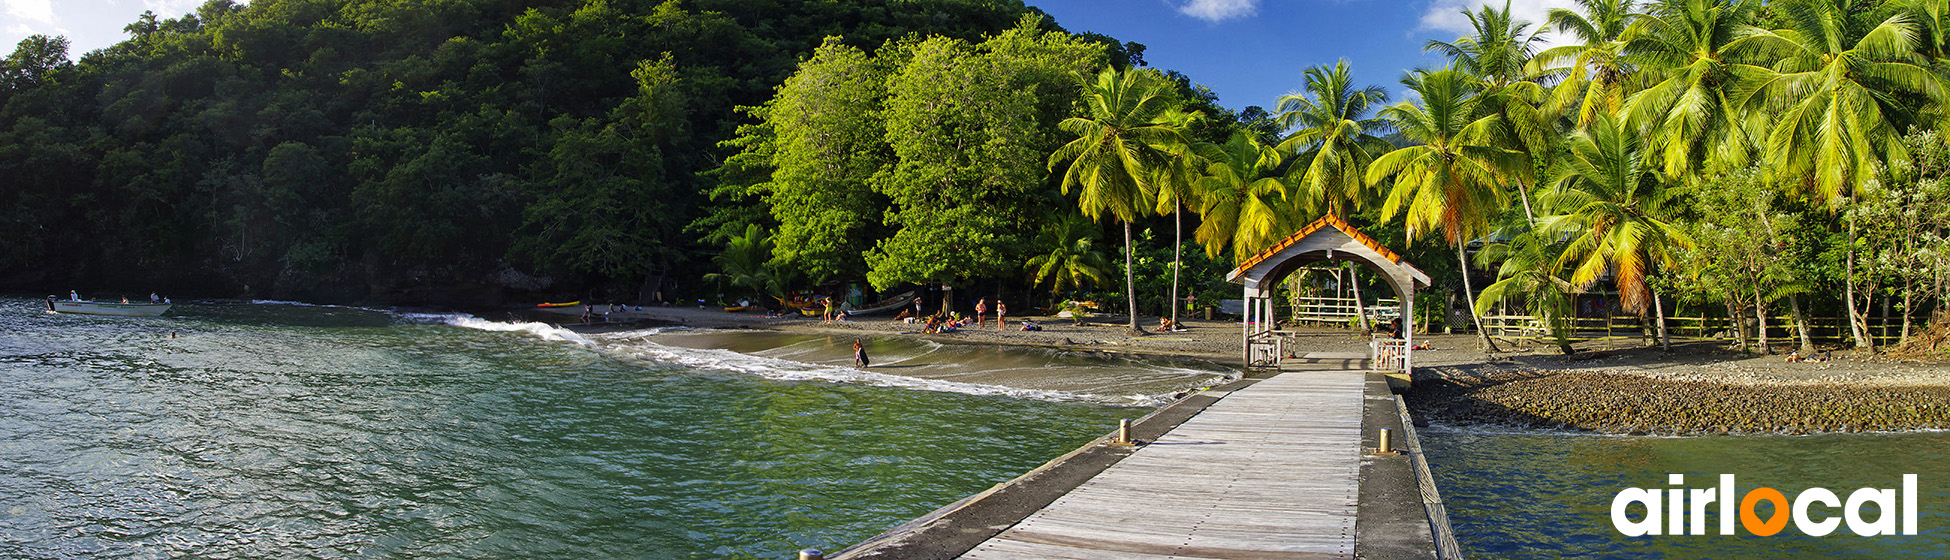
(1312, 238)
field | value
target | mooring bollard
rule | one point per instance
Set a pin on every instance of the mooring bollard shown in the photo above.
(811, 554)
(1123, 432)
(1386, 445)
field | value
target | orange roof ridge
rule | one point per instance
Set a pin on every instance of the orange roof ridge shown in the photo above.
(1325, 220)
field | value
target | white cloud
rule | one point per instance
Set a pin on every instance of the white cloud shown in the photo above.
(1219, 10)
(1447, 15)
(171, 9)
(40, 11)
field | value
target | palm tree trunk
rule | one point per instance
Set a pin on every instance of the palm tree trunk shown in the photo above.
(1801, 326)
(1469, 296)
(1856, 326)
(1665, 337)
(1177, 255)
(1360, 308)
(1130, 281)
(1523, 192)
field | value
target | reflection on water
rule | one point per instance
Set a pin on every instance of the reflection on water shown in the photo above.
(279, 431)
(1535, 495)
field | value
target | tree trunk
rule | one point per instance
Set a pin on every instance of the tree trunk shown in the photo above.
(1665, 337)
(947, 299)
(1737, 314)
(1130, 281)
(1469, 296)
(1801, 326)
(1177, 255)
(1760, 315)
(1360, 308)
(1908, 299)
(1524, 193)
(1857, 327)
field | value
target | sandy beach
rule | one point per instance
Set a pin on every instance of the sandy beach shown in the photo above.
(1701, 387)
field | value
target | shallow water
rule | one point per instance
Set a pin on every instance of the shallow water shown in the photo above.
(1045, 373)
(318, 432)
(1543, 495)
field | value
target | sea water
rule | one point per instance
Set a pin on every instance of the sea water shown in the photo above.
(271, 430)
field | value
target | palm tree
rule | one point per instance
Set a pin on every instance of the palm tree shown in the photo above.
(1175, 181)
(1687, 49)
(1242, 206)
(1842, 80)
(743, 263)
(1073, 260)
(1614, 208)
(1599, 71)
(1119, 147)
(1451, 182)
(1499, 52)
(1333, 140)
(1529, 272)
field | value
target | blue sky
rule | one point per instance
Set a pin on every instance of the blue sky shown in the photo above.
(1248, 51)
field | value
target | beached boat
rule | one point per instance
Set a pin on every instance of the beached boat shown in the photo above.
(106, 308)
(885, 305)
(568, 304)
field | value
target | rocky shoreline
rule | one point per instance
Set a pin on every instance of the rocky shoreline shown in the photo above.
(1623, 403)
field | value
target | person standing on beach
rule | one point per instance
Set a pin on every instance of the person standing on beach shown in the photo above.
(1000, 310)
(859, 354)
(981, 308)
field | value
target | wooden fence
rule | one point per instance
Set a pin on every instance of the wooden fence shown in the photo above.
(1340, 311)
(1884, 330)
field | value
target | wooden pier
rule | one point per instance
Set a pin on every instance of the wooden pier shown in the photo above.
(1271, 471)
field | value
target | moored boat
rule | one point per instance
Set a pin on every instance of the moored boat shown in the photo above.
(106, 308)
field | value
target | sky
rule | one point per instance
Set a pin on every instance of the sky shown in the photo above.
(1250, 52)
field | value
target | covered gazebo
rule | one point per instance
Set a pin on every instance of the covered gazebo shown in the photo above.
(1328, 239)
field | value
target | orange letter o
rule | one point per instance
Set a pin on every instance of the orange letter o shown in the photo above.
(1752, 522)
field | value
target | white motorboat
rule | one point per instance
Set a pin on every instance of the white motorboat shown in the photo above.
(106, 308)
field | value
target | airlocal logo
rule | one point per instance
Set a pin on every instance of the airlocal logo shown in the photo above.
(1674, 504)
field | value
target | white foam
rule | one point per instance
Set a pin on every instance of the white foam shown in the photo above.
(543, 331)
(787, 370)
(303, 304)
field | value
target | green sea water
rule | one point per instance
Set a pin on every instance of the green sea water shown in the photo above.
(285, 431)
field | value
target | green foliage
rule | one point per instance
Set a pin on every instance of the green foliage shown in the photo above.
(366, 146)
(828, 146)
(745, 265)
(967, 125)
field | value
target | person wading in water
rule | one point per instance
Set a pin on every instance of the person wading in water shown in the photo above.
(859, 354)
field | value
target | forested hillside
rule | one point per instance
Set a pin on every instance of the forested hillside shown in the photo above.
(412, 150)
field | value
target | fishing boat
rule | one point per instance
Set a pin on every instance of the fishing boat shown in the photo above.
(885, 305)
(106, 308)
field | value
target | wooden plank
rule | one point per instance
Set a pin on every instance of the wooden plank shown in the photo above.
(1269, 471)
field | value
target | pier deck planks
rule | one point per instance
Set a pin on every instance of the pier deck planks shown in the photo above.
(1269, 471)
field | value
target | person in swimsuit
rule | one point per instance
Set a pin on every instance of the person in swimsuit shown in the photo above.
(1000, 310)
(981, 308)
(859, 354)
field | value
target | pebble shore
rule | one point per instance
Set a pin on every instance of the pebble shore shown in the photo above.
(1622, 403)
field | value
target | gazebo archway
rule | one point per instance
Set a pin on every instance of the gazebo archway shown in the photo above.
(1328, 239)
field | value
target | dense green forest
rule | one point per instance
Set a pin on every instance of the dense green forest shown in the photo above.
(417, 150)
(1716, 157)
